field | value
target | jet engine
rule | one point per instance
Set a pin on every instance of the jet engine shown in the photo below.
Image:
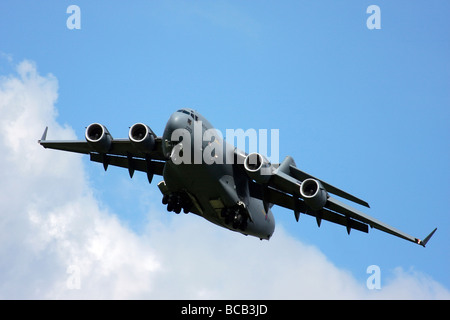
(313, 193)
(258, 167)
(98, 137)
(142, 137)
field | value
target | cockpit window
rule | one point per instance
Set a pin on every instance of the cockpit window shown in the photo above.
(183, 111)
(193, 116)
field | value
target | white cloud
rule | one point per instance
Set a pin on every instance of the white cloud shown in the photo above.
(50, 219)
(411, 284)
(50, 222)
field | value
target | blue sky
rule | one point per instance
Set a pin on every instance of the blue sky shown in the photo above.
(365, 110)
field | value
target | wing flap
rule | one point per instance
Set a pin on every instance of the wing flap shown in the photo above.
(157, 167)
(121, 147)
(339, 206)
(124, 147)
(298, 206)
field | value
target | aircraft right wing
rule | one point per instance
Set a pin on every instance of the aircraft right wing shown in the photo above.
(287, 186)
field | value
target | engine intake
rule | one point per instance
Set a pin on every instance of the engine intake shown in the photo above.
(313, 193)
(98, 137)
(258, 167)
(142, 137)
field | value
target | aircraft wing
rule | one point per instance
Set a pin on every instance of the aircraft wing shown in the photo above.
(287, 186)
(136, 154)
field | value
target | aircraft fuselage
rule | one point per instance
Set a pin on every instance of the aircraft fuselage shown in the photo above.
(206, 175)
(208, 179)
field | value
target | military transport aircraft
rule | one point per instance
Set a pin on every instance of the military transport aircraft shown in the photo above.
(226, 186)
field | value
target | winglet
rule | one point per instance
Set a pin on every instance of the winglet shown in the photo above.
(44, 135)
(424, 241)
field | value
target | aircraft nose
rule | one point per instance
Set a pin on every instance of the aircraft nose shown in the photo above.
(176, 121)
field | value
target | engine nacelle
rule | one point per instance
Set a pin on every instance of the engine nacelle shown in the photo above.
(98, 137)
(142, 137)
(313, 193)
(258, 167)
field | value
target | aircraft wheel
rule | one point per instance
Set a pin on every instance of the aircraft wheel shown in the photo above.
(243, 225)
(228, 214)
(165, 199)
(237, 221)
(224, 212)
(177, 201)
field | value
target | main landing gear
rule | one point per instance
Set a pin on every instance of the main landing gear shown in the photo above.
(177, 201)
(235, 216)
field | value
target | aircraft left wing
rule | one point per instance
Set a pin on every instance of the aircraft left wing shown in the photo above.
(142, 151)
(287, 186)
